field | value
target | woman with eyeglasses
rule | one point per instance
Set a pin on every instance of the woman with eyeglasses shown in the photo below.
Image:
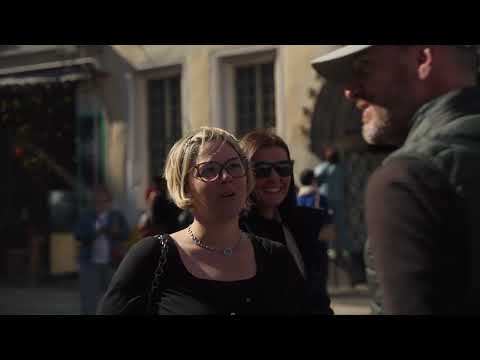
(274, 214)
(211, 267)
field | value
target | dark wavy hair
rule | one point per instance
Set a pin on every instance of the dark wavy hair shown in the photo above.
(306, 177)
(330, 154)
(259, 139)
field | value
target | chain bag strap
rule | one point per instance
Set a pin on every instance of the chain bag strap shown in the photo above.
(159, 272)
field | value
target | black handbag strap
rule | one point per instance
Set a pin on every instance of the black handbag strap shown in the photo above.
(159, 272)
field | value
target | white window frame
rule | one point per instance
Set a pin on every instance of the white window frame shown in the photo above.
(143, 98)
(224, 64)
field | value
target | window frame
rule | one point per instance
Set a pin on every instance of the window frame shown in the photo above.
(224, 93)
(162, 74)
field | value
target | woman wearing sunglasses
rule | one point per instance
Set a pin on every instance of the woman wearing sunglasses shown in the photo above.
(211, 267)
(274, 214)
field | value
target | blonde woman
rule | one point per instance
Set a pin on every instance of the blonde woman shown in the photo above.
(211, 267)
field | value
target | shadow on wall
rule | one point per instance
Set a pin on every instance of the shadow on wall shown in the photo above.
(334, 119)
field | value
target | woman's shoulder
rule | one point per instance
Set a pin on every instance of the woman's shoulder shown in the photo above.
(252, 219)
(267, 246)
(306, 222)
(307, 214)
(146, 244)
(146, 250)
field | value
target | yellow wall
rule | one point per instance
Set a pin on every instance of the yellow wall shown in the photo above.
(198, 110)
(112, 91)
(299, 76)
(294, 77)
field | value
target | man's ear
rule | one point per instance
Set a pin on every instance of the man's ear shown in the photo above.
(424, 62)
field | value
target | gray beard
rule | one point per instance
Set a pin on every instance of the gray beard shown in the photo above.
(382, 136)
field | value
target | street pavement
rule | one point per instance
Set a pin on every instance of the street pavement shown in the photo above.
(347, 300)
(61, 297)
(350, 301)
(58, 297)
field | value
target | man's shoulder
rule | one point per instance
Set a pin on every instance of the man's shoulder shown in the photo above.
(401, 166)
(408, 172)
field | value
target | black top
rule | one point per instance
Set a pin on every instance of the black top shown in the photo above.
(276, 288)
(304, 224)
(415, 232)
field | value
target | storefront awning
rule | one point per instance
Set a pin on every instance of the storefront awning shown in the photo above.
(54, 72)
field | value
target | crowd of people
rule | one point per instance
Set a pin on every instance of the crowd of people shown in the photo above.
(227, 231)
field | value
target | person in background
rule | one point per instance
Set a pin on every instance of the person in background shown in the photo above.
(308, 194)
(360, 165)
(274, 214)
(145, 224)
(211, 267)
(165, 214)
(331, 179)
(101, 232)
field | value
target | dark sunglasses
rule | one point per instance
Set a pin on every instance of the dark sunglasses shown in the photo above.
(263, 170)
(212, 170)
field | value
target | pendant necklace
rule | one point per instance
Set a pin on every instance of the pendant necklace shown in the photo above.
(225, 252)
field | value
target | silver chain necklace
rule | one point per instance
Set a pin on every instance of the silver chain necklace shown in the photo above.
(225, 252)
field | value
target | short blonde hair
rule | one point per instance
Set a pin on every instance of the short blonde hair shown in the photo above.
(184, 153)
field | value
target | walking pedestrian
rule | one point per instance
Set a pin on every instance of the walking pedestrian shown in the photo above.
(101, 232)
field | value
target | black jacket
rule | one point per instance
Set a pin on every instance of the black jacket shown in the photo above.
(422, 212)
(304, 224)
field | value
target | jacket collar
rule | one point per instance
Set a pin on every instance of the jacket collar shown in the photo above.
(444, 110)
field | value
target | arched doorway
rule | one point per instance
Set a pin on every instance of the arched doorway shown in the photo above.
(337, 122)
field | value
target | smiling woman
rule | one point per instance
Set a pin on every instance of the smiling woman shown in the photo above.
(274, 214)
(211, 267)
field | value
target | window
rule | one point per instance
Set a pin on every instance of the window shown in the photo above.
(165, 125)
(245, 89)
(254, 97)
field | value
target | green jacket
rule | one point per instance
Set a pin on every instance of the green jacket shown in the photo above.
(446, 135)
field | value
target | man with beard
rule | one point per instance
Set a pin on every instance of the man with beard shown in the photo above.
(421, 205)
